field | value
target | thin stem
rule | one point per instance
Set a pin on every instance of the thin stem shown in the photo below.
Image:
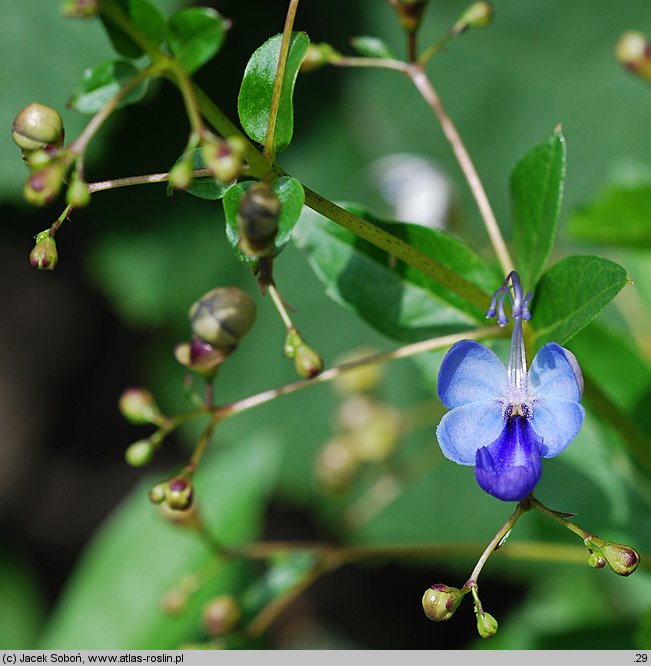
(187, 89)
(269, 148)
(562, 519)
(280, 306)
(59, 221)
(382, 63)
(426, 89)
(200, 447)
(330, 374)
(79, 145)
(522, 507)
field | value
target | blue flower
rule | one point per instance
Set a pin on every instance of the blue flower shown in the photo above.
(504, 419)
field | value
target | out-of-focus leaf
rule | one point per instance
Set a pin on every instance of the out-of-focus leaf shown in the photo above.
(571, 294)
(621, 215)
(101, 83)
(22, 609)
(536, 197)
(396, 299)
(254, 100)
(145, 16)
(292, 197)
(373, 47)
(137, 557)
(195, 36)
(205, 187)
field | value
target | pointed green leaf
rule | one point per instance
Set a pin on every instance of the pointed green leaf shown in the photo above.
(204, 187)
(373, 47)
(195, 35)
(137, 557)
(254, 101)
(394, 298)
(619, 216)
(292, 197)
(571, 294)
(146, 18)
(536, 197)
(102, 83)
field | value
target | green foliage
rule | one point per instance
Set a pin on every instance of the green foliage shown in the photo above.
(101, 83)
(571, 294)
(256, 92)
(536, 195)
(145, 16)
(372, 47)
(195, 36)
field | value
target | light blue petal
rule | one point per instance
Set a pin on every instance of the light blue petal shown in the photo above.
(470, 372)
(467, 428)
(553, 375)
(557, 422)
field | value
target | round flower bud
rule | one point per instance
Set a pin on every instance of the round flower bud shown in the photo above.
(140, 453)
(316, 56)
(44, 255)
(180, 175)
(221, 615)
(633, 50)
(478, 15)
(378, 438)
(486, 625)
(158, 493)
(37, 126)
(226, 164)
(179, 495)
(77, 194)
(138, 406)
(43, 185)
(223, 316)
(307, 362)
(336, 464)
(257, 220)
(623, 560)
(174, 602)
(596, 560)
(37, 159)
(440, 602)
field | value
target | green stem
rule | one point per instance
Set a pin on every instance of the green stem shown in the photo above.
(280, 306)
(269, 149)
(562, 519)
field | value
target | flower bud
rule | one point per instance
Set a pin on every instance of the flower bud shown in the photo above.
(410, 13)
(596, 560)
(623, 560)
(363, 379)
(440, 602)
(37, 159)
(336, 464)
(226, 163)
(43, 186)
(80, 8)
(378, 438)
(200, 357)
(174, 602)
(478, 15)
(37, 126)
(633, 50)
(316, 56)
(221, 615)
(180, 175)
(179, 494)
(223, 316)
(140, 453)
(138, 406)
(307, 362)
(257, 220)
(486, 625)
(158, 493)
(44, 255)
(77, 194)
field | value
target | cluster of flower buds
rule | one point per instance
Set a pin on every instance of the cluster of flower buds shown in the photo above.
(219, 320)
(38, 131)
(176, 493)
(138, 407)
(369, 430)
(44, 254)
(257, 220)
(623, 560)
(633, 51)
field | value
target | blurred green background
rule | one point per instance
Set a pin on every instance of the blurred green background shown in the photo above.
(85, 558)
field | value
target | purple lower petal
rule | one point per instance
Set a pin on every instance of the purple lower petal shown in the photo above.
(510, 467)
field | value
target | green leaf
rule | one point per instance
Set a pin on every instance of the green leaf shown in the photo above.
(101, 83)
(254, 100)
(292, 197)
(536, 198)
(396, 299)
(571, 294)
(205, 187)
(137, 557)
(145, 17)
(373, 47)
(195, 35)
(619, 216)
